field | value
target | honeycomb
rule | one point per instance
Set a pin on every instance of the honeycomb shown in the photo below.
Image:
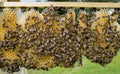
(49, 39)
(70, 16)
(3, 31)
(114, 21)
(45, 62)
(66, 51)
(10, 60)
(9, 18)
(30, 18)
(101, 39)
(33, 27)
(28, 60)
(52, 19)
(1, 19)
(9, 51)
(82, 19)
(11, 55)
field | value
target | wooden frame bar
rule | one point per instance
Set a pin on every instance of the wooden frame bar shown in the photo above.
(61, 4)
(3, 0)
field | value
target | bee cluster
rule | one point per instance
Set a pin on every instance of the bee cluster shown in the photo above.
(9, 59)
(101, 38)
(48, 39)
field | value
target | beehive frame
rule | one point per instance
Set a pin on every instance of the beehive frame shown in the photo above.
(60, 4)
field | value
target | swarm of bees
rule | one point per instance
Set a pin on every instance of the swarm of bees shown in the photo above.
(101, 38)
(49, 39)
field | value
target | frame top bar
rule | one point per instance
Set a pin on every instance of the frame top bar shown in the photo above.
(61, 4)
